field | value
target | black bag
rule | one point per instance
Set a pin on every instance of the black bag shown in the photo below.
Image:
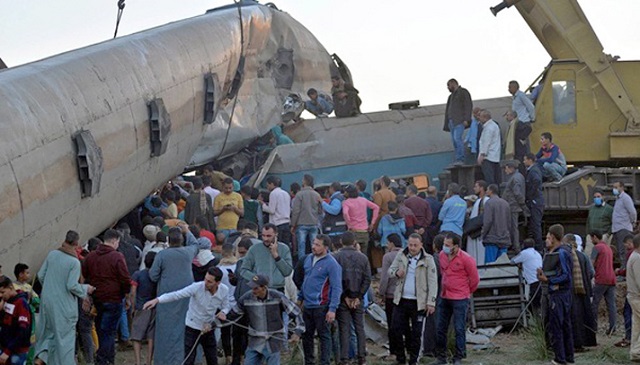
(473, 227)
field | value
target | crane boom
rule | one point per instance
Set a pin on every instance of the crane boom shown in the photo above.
(566, 34)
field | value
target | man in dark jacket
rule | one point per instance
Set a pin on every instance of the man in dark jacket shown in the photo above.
(514, 194)
(534, 199)
(356, 277)
(495, 225)
(199, 204)
(106, 269)
(457, 116)
(130, 247)
(560, 274)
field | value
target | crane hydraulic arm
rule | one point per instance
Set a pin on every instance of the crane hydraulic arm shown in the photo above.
(566, 34)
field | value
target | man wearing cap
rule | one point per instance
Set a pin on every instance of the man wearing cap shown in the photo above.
(264, 307)
(514, 194)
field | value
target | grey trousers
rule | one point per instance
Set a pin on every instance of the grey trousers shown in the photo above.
(515, 234)
(345, 316)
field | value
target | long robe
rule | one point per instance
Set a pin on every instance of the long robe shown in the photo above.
(584, 324)
(172, 271)
(56, 330)
(475, 248)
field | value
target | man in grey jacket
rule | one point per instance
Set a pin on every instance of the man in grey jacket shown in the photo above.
(387, 289)
(623, 219)
(414, 297)
(496, 225)
(305, 216)
(514, 194)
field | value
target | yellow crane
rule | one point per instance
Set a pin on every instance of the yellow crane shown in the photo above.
(588, 99)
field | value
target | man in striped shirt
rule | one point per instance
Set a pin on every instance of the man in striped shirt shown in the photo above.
(263, 307)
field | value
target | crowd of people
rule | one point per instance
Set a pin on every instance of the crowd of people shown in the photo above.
(235, 264)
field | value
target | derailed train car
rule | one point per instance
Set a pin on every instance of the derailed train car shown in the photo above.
(87, 134)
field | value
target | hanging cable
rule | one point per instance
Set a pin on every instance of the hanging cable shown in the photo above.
(120, 10)
(237, 79)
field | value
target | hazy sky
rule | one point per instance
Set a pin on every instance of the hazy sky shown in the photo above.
(401, 50)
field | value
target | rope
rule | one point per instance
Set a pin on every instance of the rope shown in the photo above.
(219, 324)
(525, 308)
(193, 348)
(120, 10)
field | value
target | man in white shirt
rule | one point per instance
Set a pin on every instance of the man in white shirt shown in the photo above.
(279, 209)
(208, 299)
(212, 192)
(531, 260)
(475, 248)
(489, 151)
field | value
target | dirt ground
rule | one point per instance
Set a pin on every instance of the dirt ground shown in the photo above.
(509, 350)
(517, 348)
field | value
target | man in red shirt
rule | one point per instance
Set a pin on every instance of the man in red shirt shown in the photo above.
(421, 209)
(105, 268)
(459, 279)
(15, 321)
(605, 279)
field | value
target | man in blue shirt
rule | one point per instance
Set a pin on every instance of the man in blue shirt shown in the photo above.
(453, 211)
(526, 113)
(320, 105)
(550, 159)
(319, 297)
(333, 223)
(559, 281)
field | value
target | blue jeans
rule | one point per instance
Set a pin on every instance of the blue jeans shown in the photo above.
(253, 357)
(123, 325)
(314, 320)
(456, 137)
(553, 170)
(109, 315)
(492, 252)
(305, 234)
(457, 309)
